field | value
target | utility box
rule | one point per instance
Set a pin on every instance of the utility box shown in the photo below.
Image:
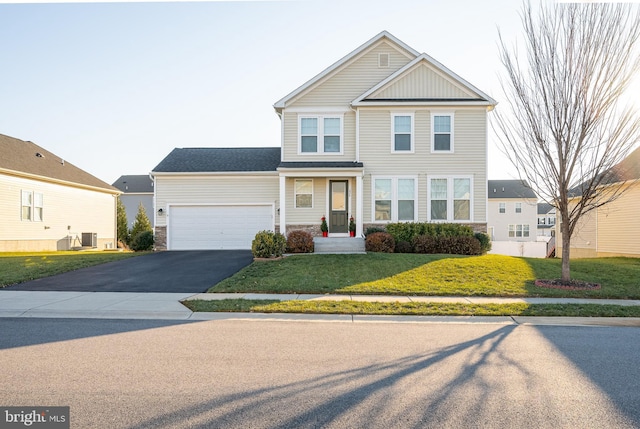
(89, 239)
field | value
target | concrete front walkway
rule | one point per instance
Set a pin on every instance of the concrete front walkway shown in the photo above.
(167, 306)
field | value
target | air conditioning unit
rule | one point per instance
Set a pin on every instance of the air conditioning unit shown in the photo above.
(89, 239)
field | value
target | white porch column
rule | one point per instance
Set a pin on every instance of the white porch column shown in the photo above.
(359, 207)
(283, 205)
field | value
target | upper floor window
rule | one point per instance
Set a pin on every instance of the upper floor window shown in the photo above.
(304, 193)
(402, 138)
(32, 206)
(502, 207)
(395, 199)
(449, 199)
(442, 132)
(518, 207)
(320, 134)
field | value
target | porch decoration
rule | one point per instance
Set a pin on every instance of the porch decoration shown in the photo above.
(352, 227)
(324, 227)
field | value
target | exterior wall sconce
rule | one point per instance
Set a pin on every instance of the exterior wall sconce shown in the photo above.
(160, 212)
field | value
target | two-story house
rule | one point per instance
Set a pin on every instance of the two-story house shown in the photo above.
(546, 220)
(385, 134)
(513, 208)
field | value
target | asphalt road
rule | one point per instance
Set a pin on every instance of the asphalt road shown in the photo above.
(258, 374)
(177, 272)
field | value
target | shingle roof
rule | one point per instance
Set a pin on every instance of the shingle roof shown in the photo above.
(196, 160)
(28, 158)
(628, 169)
(509, 189)
(544, 208)
(321, 164)
(134, 184)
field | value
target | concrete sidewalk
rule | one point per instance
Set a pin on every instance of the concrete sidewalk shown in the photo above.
(167, 306)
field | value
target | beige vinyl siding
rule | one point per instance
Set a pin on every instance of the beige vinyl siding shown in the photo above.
(422, 82)
(618, 228)
(63, 206)
(353, 79)
(584, 239)
(297, 216)
(290, 149)
(215, 189)
(468, 159)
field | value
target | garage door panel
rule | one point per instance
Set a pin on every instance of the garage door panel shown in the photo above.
(216, 227)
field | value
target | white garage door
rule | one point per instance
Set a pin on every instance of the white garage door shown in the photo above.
(216, 227)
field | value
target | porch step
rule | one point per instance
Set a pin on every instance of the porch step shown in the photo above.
(338, 245)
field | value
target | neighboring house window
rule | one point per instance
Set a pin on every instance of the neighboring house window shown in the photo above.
(32, 206)
(552, 221)
(541, 221)
(518, 207)
(442, 132)
(502, 207)
(518, 230)
(321, 134)
(395, 199)
(402, 133)
(304, 193)
(449, 198)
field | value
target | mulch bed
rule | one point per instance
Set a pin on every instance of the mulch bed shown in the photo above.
(571, 285)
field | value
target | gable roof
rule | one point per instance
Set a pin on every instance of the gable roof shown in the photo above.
(466, 92)
(627, 170)
(212, 160)
(544, 208)
(509, 189)
(280, 104)
(135, 184)
(27, 159)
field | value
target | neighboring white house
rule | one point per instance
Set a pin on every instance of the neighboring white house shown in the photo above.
(136, 190)
(47, 203)
(546, 220)
(385, 134)
(513, 211)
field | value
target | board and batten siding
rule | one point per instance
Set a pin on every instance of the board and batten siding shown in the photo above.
(422, 82)
(67, 211)
(215, 189)
(468, 159)
(618, 227)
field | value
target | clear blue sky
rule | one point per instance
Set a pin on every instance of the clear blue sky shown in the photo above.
(114, 87)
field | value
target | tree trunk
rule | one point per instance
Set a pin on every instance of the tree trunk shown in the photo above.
(566, 249)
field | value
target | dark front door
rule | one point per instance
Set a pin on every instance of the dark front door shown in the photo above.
(338, 206)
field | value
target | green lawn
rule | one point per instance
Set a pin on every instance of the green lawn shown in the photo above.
(21, 267)
(411, 274)
(412, 308)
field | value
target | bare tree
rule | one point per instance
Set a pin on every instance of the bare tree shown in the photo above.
(566, 127)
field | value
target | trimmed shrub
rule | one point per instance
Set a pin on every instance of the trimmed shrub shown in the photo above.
(485, 241)
(299, 242)
(142, 241)
(268, 244)
(426, 244)
(380, 242)
(460, 245)
(372, 229)
(407, 231)
(404, 247)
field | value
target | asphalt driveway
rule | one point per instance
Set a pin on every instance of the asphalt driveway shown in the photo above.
(171, 272)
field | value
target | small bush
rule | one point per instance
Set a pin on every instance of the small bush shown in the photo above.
(460, 245)
(142, 241)
(372, 229)
(268, 244)
(426, 244)
(485, 241)
(380, 242)
(404, 247)
(299, 242)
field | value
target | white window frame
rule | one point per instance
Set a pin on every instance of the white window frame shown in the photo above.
(295, 193)
(394, 198)
(433, 133)
(518, 208)
(450, 198)
(502, 208)
(320, 149)
(512, 230)
(412, 134)
(33, 206)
